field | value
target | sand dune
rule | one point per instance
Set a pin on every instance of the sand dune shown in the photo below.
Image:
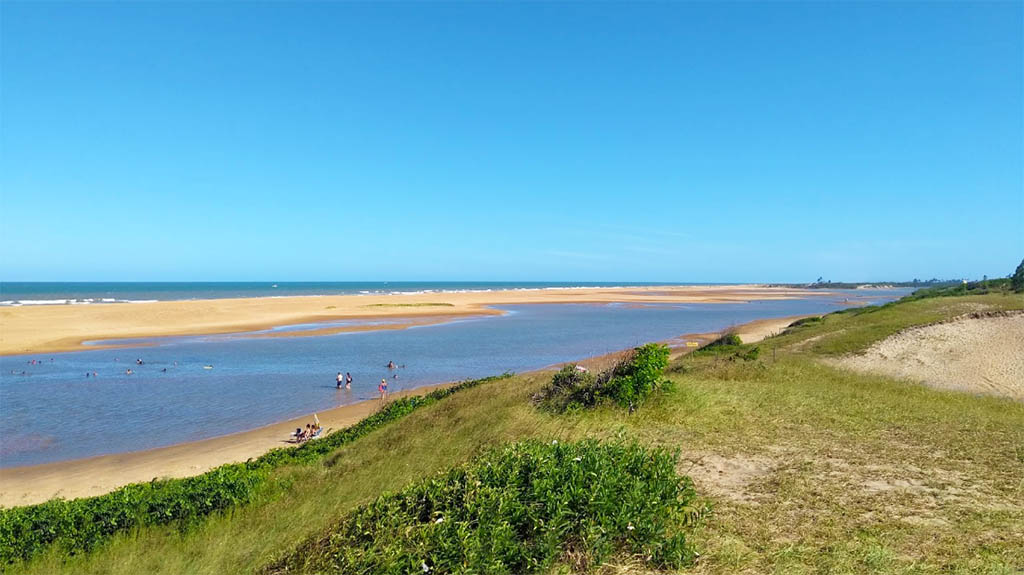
(981, 353)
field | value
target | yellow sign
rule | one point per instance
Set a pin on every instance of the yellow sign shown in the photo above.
(692, 344)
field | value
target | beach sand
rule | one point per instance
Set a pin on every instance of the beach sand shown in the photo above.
(97, 475)
(43, 329)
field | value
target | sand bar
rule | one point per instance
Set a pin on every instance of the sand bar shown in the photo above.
(100, 474)
(42, 329)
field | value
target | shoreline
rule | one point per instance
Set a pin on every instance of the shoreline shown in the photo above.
(99, 474)
(63, 328)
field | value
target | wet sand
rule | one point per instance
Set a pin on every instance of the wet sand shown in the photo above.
(43, 329)
(97, 475)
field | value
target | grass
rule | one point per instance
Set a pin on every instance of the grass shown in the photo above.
(807, 469)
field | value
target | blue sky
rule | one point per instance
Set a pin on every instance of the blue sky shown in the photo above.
(510, 141)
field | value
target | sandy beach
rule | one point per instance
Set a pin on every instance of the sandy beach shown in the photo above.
(97, 475)
(53, 328)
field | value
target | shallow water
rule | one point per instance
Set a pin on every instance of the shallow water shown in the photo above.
(53, 412)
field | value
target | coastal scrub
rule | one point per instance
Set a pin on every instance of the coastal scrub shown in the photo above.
(627, 383)
(518, 509)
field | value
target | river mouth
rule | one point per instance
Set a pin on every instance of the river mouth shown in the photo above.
(195, 387)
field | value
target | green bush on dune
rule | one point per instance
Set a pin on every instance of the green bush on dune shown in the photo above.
(518, 510)
(81, 524)
(627, 383)
(727, 340)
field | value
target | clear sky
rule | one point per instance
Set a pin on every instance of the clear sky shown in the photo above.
(510, 141)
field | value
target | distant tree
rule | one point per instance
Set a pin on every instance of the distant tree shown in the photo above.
(917, 281)
(1017, 279)
(818, 281)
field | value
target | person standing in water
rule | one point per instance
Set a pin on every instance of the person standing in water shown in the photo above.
(348, 380)
(383, 389)
(338, 379)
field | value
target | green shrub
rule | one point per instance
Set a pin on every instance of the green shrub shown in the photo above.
(750, 355)
(518, 510)
(627, 383)
(729, 339)
(80, 525)
(806, 321)
(640, 373)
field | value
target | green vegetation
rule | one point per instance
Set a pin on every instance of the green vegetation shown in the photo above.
(854, 329)
(627, 383)
(81, 524)
(727, 342)
(1017, 279)
(808, 468)
(807, 321)
(425, 304)
(517, 510)
(986, 286)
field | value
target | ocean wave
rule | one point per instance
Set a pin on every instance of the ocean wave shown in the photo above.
(70, 301)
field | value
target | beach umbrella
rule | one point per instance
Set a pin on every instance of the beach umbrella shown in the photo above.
(316, 420)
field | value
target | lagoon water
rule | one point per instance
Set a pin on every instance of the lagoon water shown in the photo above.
(54, 413)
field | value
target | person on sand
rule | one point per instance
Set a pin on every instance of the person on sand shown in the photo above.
(298, 434)
(383, 388)
(338, 379)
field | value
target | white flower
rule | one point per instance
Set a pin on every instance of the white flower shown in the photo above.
(577, 458)
(630, 526)
(439, 520)
(554, 442)
(425, 567)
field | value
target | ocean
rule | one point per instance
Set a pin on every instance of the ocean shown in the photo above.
(85, 293)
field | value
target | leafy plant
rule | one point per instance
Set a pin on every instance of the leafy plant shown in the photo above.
(627, 383)
(518, 510)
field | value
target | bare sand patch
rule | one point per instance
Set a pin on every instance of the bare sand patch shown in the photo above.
(981, 353)
(729, 477)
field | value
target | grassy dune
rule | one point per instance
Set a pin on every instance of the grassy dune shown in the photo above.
(807, 469)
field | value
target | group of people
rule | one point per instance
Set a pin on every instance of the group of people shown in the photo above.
(311, 431)
(347, 380)
(382, 388)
